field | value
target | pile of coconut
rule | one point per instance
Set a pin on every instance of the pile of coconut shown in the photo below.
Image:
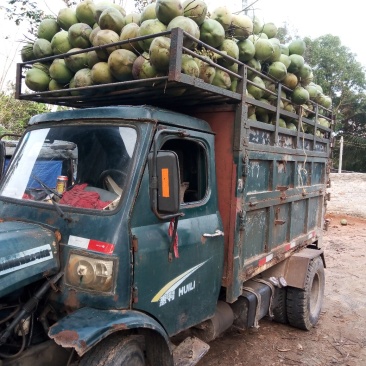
(239, 36)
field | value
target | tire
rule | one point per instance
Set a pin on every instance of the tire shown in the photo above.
(280, 310)
(115, 351)
(304, 306)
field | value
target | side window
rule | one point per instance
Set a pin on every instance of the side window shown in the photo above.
(193, 168)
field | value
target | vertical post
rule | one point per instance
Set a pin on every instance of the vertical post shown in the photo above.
(244, 5)
(340, 156)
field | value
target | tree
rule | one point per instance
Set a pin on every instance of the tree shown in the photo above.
(15, 114)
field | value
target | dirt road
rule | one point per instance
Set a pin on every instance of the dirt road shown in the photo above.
(340, 336)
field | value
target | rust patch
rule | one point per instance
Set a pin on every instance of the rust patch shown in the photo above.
(72, 302)
(203, 239)
(67, 338)
(121, 326)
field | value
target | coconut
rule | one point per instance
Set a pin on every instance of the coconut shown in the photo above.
(282, 123)
(85, 12)
(166, 10)
(142, 68)
(284, 49)
(246, 50)
(79, 34)
(78, 61)
(297, 46)
(242, 26)
(27, 52)
(254, 64)
(120, 62)
(257, 25)
(81, 79)
(92, 59)
(66, 18)
(93, 33)
(270, 87)
(60, 43)
(148, 12)
(229, 47)
(276, 50)
(133, 18)
(270, 30)
(261, 112)
(196, 10)
(101, 74)
(111, 19)
(285, 60)
(290, 81)
(297, 62)
(189, 26)
(324, 100)
(42, 48)
(207, 72)
(277, 70)
(54, 86)
(160, 53)
(103, 37)
(189, 66)
(300, 95)
(37, 80)
(60, 72)
(323, 122)
(291, 126)
(129, 31)
(212, 33)
(149, 27)
(223, 15)
(47, 29)
(102, 5)
(222, 79)
(253, 88)
(45, 67)
(263, 49)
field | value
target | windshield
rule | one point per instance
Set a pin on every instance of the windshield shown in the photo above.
(81, 166)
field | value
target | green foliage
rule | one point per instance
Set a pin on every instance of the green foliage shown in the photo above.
(15, 114)
(141, 4)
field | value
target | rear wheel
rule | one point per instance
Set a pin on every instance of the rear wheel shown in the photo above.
(279, 310)
(115, 351)
(304, 306)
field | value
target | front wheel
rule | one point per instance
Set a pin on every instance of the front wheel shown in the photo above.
(115, 350)
(304, 306)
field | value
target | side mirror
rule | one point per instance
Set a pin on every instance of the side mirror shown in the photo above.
(164, 183)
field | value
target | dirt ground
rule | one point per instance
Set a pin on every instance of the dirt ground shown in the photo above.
(340, 336)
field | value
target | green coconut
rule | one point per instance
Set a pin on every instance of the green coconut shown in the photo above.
(284, 49)
(60, 72)
(101, 74)
(254, 64)
(42, 48)
(263, 49)
(223, 15)
(246, 50)
(102, 38)
(277, 70)
(85, 12)
(285, 60)
(79, 34)
(111, 19)
(297, 62)
(55, 86)
(66, 18)
(324, 100)
(120, 63)
(196, 10)
(242, 26)
(78, 61)
(229, 47)
(148, 12)
(254, 89)
(189, 66)
(270, 30)
(60, 42)
(276, 50)
(45, 67)
(290, 80)
(93, 34)
(142, 68)
(212, 33)
(129, 31)
(102, 5)
(189, 26)
(257, 25)
(207, 72)
(300, 95)
(222, 79)
(323, 122)
(297, 46)
(160, 53)
(48, 28)
(150, 27)
(166, 10)
(27, 52)
(291, 126)
(37, 80)
(133, 18)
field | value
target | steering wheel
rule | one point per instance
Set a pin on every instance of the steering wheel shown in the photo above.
(118, 176)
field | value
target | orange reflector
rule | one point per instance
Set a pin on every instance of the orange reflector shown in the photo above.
(165, 182)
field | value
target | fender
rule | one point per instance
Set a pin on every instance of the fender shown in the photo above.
(85, 327)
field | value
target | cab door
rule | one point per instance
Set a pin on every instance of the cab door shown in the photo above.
(182, 289)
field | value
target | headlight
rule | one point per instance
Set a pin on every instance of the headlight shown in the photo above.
(89, 273)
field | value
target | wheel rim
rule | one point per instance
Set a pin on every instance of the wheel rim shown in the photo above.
(314, 296)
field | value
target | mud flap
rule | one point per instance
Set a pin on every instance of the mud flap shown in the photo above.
(189, 352)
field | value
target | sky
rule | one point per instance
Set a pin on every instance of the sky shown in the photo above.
(311, 18)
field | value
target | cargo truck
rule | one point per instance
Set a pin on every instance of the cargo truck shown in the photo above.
(177, 217)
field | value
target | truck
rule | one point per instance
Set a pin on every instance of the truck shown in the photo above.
(149, 217)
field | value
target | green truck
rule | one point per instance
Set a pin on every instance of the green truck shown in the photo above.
(140, 224)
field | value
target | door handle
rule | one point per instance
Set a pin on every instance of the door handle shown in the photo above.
(216, 233)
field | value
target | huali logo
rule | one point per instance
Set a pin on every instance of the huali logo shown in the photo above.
(167, 293)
